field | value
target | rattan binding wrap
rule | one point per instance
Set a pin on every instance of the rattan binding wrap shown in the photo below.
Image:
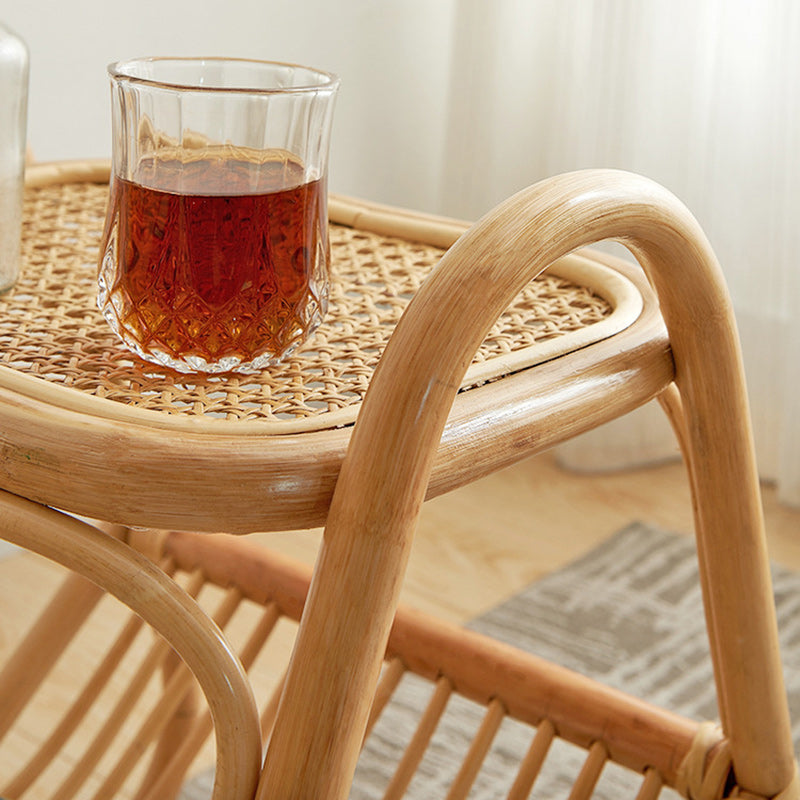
(53, 338)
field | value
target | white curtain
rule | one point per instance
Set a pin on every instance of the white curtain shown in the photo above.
(701, 95)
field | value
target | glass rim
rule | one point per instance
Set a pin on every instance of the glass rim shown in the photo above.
(325, 80)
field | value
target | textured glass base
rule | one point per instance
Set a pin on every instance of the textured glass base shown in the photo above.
(143, 333)
(197, 364)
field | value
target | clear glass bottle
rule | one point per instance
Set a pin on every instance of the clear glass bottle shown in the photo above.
(13, 129)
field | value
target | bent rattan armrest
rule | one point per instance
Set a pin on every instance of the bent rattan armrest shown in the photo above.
(384, 478)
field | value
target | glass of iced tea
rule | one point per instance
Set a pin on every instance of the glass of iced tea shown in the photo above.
(215, 251)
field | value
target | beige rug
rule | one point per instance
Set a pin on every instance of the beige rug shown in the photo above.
(629, 613)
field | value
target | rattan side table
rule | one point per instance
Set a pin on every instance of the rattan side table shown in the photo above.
(86, 428)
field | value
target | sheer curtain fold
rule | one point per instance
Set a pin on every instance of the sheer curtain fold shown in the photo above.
(701, 95)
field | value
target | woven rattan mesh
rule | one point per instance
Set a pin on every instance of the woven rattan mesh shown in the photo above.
(50, 326)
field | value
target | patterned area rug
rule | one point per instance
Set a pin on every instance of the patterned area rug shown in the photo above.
(629, 613)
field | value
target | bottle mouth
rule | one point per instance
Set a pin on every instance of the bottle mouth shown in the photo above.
(249, 76)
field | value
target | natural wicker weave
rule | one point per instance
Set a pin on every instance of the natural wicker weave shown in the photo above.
(50, 327)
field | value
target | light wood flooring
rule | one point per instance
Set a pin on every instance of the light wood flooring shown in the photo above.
(477, 546)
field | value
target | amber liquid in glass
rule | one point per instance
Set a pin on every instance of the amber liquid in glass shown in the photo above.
(218, 261)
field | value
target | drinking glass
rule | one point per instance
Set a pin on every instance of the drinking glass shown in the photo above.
(215, 250)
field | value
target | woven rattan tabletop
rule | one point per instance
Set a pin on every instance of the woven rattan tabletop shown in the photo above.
(55, 344)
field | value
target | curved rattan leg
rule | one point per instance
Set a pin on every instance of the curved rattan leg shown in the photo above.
(144, 588)
(713, 426)
(672, 405)
(324, 708)
(151, 544)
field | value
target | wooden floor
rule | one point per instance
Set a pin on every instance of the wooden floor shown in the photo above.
(481, 544)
